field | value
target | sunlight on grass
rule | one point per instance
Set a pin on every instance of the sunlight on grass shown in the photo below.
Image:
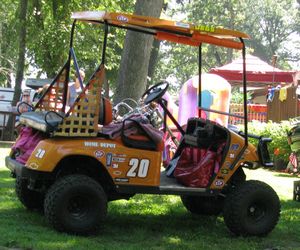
(174, 240)
(283, 184)
(146, 204)
(3, 153)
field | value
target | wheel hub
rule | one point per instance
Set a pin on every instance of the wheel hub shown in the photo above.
(256, 212)
(78, 206)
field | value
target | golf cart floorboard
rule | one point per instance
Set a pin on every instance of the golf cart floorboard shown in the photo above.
(170, 184)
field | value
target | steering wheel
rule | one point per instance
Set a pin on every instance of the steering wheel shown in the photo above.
(155, 92)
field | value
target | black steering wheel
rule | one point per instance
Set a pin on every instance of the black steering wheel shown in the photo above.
(155, 92)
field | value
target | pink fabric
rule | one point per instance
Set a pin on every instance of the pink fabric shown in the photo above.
(26, 143)
(196, 166)
(195, 172)
(114, 129)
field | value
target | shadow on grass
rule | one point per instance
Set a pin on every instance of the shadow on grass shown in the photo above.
(145, 222)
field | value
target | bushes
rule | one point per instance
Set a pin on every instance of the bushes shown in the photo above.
(279, 147)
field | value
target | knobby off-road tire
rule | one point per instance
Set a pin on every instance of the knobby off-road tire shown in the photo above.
(76, 204)
(203, 205)
(32, 200)
(253, 209)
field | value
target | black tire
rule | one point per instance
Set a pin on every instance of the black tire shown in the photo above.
(32, 200)
(76, 204)
(253, 208)
(203, 205)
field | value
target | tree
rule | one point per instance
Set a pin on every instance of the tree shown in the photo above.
(8, 46)
(278, 21)
(21, 13)
(132, 77)
(21, 49)
(51, 21)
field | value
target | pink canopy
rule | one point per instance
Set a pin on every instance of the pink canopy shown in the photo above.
(258, 71)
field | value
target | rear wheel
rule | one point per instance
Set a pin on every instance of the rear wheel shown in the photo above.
(32, 200)
(203, 205)
(76, 204)
(252, 208)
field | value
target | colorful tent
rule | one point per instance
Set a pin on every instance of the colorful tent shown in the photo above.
(258, 71)
(215, 95)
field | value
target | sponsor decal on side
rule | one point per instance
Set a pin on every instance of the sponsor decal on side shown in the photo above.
(234, 147)
(99, 153)
(40, 153)
(122, 18)
(118, 159)
(108, 159)
(33, 165)
(219, 183)
(182, 25)
(101, 144)
(205, 28)
(227, 164)
(91, 144)
(120, 155)
(224, 171)
(115, 165)
(121, 179)
(107, 145)
(117, 172)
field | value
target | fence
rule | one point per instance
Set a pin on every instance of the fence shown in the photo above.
(284, 110)
(255, 112)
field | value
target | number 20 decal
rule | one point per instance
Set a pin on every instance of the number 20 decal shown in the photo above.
(40, 153)
(138, 168)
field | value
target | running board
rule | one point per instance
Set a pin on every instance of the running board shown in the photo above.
(181, 189)
(168, 185)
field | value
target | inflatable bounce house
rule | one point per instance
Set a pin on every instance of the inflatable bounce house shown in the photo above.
(215, 95)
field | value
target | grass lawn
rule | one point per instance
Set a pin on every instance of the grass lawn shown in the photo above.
(146, 222)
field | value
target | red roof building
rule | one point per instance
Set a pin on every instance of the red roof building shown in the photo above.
(257, 70)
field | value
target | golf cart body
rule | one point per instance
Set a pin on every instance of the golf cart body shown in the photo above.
(80, 144)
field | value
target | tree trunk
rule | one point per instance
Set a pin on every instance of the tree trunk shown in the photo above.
(21, 53)
(20, 64)
(132, 77)
(152, 61)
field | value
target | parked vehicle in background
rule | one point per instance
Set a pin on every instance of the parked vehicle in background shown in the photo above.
(6, 97)
(7, 110)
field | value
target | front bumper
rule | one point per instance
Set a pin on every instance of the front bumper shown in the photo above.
(37, 180)
(16, 168)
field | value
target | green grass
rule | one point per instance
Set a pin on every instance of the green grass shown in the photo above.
(146, 222)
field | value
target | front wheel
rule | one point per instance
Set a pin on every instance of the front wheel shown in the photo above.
(76, 204)
(252, 208)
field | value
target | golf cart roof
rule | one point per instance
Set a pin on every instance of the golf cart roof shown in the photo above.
(179, 32)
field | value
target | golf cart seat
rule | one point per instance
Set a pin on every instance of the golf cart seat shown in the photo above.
(144, 136)
(48, 121)
(45, 121)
